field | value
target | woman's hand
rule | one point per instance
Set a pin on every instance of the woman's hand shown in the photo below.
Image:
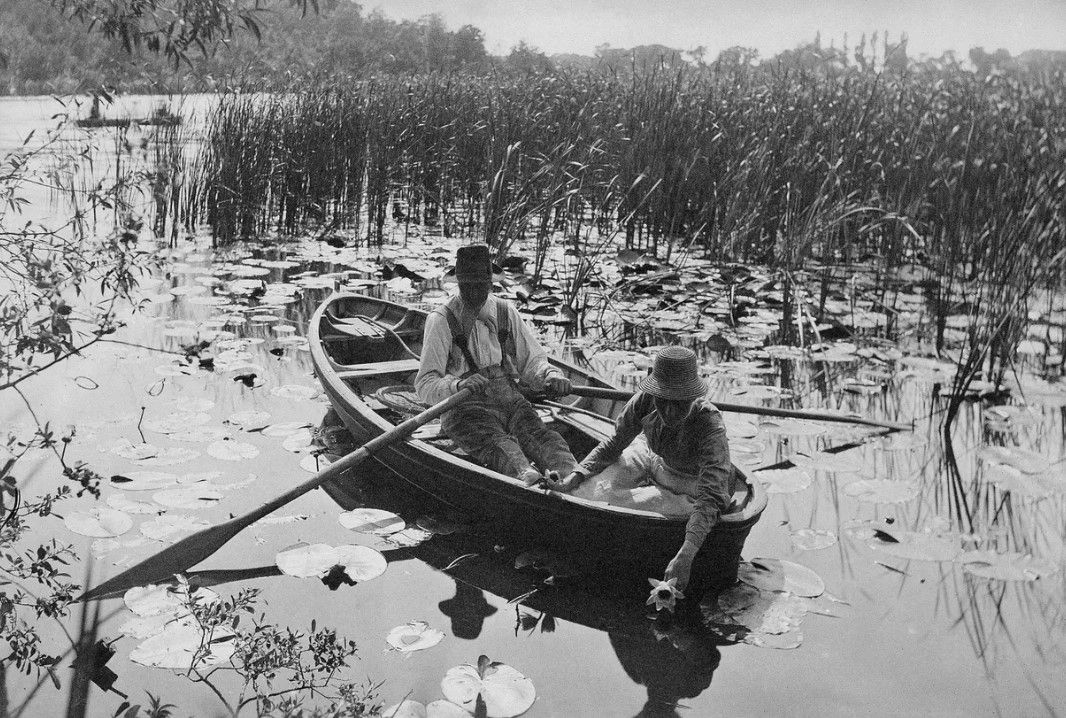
(680, 567)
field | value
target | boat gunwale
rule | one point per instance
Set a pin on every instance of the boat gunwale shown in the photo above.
(325, 368)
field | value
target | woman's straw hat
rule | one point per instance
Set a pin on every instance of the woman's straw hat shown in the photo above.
(675, 376)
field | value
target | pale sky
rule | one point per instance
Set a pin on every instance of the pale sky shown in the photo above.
(579, 26)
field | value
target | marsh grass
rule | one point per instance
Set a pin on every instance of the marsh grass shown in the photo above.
(950, 173)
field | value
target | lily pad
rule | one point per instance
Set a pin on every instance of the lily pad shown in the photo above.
(414, 636)
(298, 442)
(917, 546)
(1025, 461)
(1006, 566)
(200, 434)
(168, 527)
(771, 574)
(132, 506)
(188, 497)
(882, 491)
(1017, 482)
(306, 560)
(233, 450)
(285, 428)
(169, 457)
(413, 709)
(165, 599)
(372, 521)
(295, 391)
(839, 462)
(813, 539)
(794, 427)
(783, 481)
(99, 522)
(184, 645)
(176, 422)
(250, 420)
(505, 691)
(361, 563)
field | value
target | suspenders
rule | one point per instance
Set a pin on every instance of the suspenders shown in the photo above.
(503, 334)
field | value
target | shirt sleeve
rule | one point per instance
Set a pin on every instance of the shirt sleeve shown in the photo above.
(433, 383)
(714, 480)
(627, 427)
(532, 361)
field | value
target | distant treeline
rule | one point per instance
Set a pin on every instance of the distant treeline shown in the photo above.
(42, 52)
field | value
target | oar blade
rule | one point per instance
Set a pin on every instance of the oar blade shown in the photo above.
(177, 558)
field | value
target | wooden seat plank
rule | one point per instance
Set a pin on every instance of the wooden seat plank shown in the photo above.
(397, 366)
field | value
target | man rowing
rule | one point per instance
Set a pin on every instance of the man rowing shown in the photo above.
(478, 341)
(669, 436)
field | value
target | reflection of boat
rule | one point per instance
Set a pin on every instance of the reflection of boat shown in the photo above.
(673, 656)
(365, 350)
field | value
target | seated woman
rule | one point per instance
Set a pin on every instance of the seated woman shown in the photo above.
(671, 441)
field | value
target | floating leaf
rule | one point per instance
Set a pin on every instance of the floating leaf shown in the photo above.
(200, 434)
(361, 563)
(782, 641)
(771, 574)
(165, 528)
(298, 442)
(371, 521)
(233, 450)
(176, 422)
(141, 627)
(306, 560)
(1008, 478)
(413, 709)
(250, 420)
(295, 391)
(414, 636)
(128, 450)
(169, 457)
(794, 427)
(783, 481)
(184, 645)
(505, 691)
(285, 428)
(99, 522)
(165, 599)
(813, 539)
(842, 462)
(1006, 566)
(130, 506)
(188, 497)
(1025, 461)
(914, 545)
(882, 491)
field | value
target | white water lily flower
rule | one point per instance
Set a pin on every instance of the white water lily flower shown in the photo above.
(664, 594)
(771, 574)
(314, 463)
(414, 636)
(179, 647)
(233, 450)
(505, 691)
(372, 521)
(99, 522)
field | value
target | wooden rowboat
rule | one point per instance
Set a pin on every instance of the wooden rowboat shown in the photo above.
(365, 353)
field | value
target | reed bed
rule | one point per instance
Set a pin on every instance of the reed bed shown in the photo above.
(937, 166)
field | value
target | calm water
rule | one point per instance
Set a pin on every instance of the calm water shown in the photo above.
(906, 637)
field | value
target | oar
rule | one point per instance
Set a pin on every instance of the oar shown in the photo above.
(595, 392)
(193, 549)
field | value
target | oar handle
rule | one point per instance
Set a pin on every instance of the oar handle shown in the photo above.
(397, 433)
(596, 392)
